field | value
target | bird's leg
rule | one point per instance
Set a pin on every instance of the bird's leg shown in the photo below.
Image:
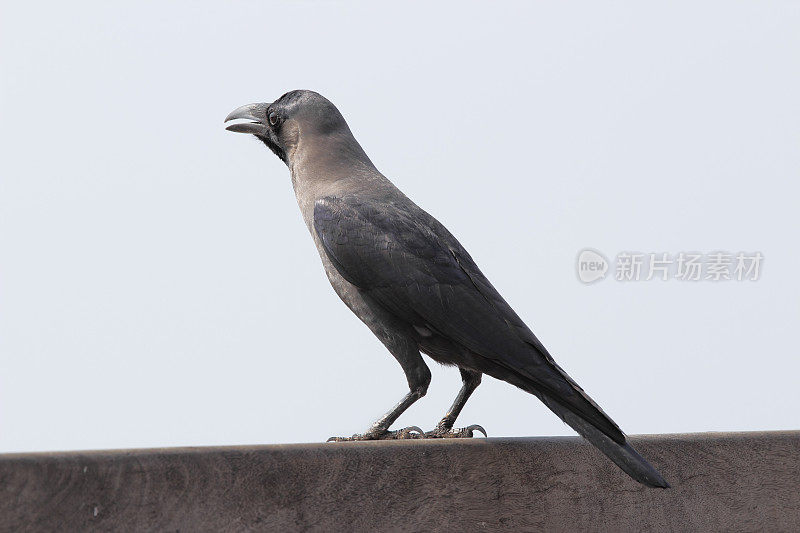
(419, 377)
(444, 429)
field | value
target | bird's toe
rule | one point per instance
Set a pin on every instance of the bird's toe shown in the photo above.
(455, 433)
(411, 432)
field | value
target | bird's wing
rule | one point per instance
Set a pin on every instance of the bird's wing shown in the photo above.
(411, 265)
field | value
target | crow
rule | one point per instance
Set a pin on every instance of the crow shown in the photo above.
(412, 283)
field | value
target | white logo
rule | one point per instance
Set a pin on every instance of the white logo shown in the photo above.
(664, 266)
(592, 266)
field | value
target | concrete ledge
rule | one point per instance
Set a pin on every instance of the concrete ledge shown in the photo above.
(740, 481)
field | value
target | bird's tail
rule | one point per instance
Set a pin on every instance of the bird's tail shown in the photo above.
(623, 454)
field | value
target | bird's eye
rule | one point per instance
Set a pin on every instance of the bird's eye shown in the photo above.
(273, 118)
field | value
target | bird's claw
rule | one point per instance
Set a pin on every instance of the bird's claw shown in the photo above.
(411, 432)
(414, 432)
(457, 433)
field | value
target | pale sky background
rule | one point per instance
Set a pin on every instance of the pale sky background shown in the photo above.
(158, 288)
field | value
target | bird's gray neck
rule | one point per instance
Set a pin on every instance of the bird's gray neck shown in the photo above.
(327, 156)
(320, 163)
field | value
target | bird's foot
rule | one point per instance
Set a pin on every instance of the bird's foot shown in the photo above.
(411, 432)
(442, 432)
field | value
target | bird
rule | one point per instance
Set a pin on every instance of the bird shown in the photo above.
(411, 282)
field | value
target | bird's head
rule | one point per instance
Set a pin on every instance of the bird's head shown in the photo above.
(296, 118)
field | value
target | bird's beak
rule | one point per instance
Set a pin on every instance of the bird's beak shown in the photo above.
(257, 113)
